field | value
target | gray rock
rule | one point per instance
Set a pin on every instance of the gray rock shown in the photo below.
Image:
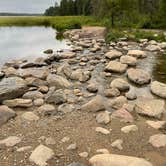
(33, 95)
(6, 114)
(138, 76)
(152, 108)
(158, 89)
(11, 88)
(48, 51)
(46, 109)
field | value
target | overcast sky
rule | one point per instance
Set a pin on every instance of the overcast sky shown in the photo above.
(25, 6)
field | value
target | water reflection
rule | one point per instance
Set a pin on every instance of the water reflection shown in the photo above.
(27, 42)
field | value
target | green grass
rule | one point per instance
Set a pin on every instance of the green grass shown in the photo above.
(58, 22)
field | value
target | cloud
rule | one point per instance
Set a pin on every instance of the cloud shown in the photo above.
(25, 6)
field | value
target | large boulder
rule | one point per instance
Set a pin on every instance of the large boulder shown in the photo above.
(152, 108)
(6, 114)
(113, 54)
(117, 67)
(158, 89)
(117, 160)
(11, 88)
(58, 81)
(138, 76)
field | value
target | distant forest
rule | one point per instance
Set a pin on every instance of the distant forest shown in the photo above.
(129, 13)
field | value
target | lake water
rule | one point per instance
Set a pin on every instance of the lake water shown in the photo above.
(27, 42)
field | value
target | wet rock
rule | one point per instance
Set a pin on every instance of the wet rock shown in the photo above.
(11, 88)
(6, 114)
(94, 105)
(113, 92)
(123, 115)
(92, 87)
(41, 155)
(10, 141)
(18, 103)
(117, 67)
(138, 76)
(33, 95)
(49, 51)
(117, 160)
(156, 124)
(113, 54)
(30, 116)
(117, 144)
(102, 130)
(58, 81)
(120, 84)
(152, 108)
(158, 89)
(103, 118)
(128, 60)
(137, 53)
(46, 109)
(128, 129)
(118, 102)
(56, 96)
(158, 140)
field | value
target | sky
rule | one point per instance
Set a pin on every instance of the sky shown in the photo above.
(25, 6)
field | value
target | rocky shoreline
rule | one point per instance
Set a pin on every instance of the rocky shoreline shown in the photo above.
(69, 106)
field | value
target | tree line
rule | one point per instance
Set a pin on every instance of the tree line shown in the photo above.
(142, 13)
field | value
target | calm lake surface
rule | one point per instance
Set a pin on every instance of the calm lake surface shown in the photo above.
(27, 42)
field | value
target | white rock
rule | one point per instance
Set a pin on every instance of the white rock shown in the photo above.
(117, 144)
(11, 141)
(30, 116)
(128, 129)
(102, 130)
(158, 140)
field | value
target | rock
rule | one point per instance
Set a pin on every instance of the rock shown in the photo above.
(65, 139)
(56, 96)
(137, 53)
(46, 109)
(33, 95)
(10, 141)
(103, 118)
(116, 67)
(43, 89)
(131, 95)
(30, 116)
(128, 129)
(162, 45)
(18, 103)
(117, 160)
(76, 164)
(152, 108)
(113, 54)
(156, 124)
(41, 155)
(67, 55)
(113, 92)
(83, 154)
(128, 60)
(11, 72)
(72, 147)
(102, 130)
(118, 144)
(118, 102)
(35, 82)
(153, 48)
(94, 105)
(2, 74)
(158, 89)
(50, 141)
(38, 102)
(123, 115)
(6, 114)
(66, 108)
(11, 88)
(103, 151)
(158, 140)
(92, 87)
(138, 76)
(49, 51)
(120, 84)
(24, 148)
(80, 75)
(58, 81)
